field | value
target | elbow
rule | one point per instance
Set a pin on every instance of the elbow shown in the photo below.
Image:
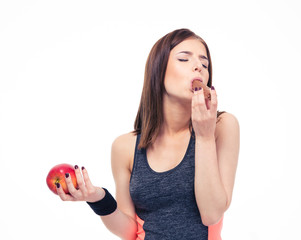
(213, 216)
(211, 220)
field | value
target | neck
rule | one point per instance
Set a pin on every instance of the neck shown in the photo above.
(176, 117)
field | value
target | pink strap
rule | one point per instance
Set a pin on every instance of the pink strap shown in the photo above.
(214, 231)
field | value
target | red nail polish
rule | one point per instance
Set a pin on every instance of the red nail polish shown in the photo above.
(212, 88)
(58, 185)
(76, 167)
(66, 175)
(83, 168)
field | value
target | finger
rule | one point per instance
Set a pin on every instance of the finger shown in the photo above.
(79, 178)
(207, 93)
(72, 190)
(198, 101)
(213, 104)
(87, 179)
(208, 103)
(62, 194)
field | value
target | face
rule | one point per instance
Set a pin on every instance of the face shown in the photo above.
(187, 61)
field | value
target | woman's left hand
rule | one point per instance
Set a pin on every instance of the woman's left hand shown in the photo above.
(204, 114)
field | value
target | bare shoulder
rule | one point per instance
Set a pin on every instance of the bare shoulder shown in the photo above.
(228, 117)
(123, 148)
(227, 123)
(228, 138)
(125, 143)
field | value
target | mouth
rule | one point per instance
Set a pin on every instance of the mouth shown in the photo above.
(196, 84)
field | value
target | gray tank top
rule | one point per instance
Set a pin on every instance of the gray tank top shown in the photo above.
(165, 201)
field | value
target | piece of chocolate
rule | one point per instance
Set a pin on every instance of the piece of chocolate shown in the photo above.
(197, 84)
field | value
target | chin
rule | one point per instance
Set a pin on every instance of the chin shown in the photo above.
(181, 96)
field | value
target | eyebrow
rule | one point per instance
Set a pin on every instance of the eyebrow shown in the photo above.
(190, 53)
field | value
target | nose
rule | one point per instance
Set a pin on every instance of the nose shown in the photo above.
(197, 67)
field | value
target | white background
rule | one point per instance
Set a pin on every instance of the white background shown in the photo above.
(71, 75)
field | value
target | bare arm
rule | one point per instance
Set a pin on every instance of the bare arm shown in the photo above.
(216, 158)
(122, 221)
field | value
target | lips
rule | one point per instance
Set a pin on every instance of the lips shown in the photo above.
(197, 84)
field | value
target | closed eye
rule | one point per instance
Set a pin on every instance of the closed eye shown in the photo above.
(183, 60)
(204, 66)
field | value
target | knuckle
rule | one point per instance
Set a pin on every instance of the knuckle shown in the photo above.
(85, 174)
(80, 182)
(60, 193)
(196, 119)
(86, 179)
(199, 104)
(68, 179)
(73, 191)
(84, 192)
(63, 198)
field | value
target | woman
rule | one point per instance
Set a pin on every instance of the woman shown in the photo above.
(175, 172)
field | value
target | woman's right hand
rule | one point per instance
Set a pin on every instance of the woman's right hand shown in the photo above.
(85, 192)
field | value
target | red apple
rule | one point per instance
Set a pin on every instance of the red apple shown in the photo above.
(57, 175)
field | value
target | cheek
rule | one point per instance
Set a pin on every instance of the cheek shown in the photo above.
(169, 82)
(174, 80)
(171, 71)
(171, 75)
(206, 77)
(175, 73)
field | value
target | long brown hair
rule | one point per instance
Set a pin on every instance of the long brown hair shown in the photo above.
(150, 113)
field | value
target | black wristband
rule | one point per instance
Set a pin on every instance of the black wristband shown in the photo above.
(105, 206)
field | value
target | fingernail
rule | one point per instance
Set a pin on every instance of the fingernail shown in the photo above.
(212, 88)
(67, 175)
(200, 88)
(83, 168)
(58, 185)
(76, 167)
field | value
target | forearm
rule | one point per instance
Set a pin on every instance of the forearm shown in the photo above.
(121, 225)
(210, 193)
